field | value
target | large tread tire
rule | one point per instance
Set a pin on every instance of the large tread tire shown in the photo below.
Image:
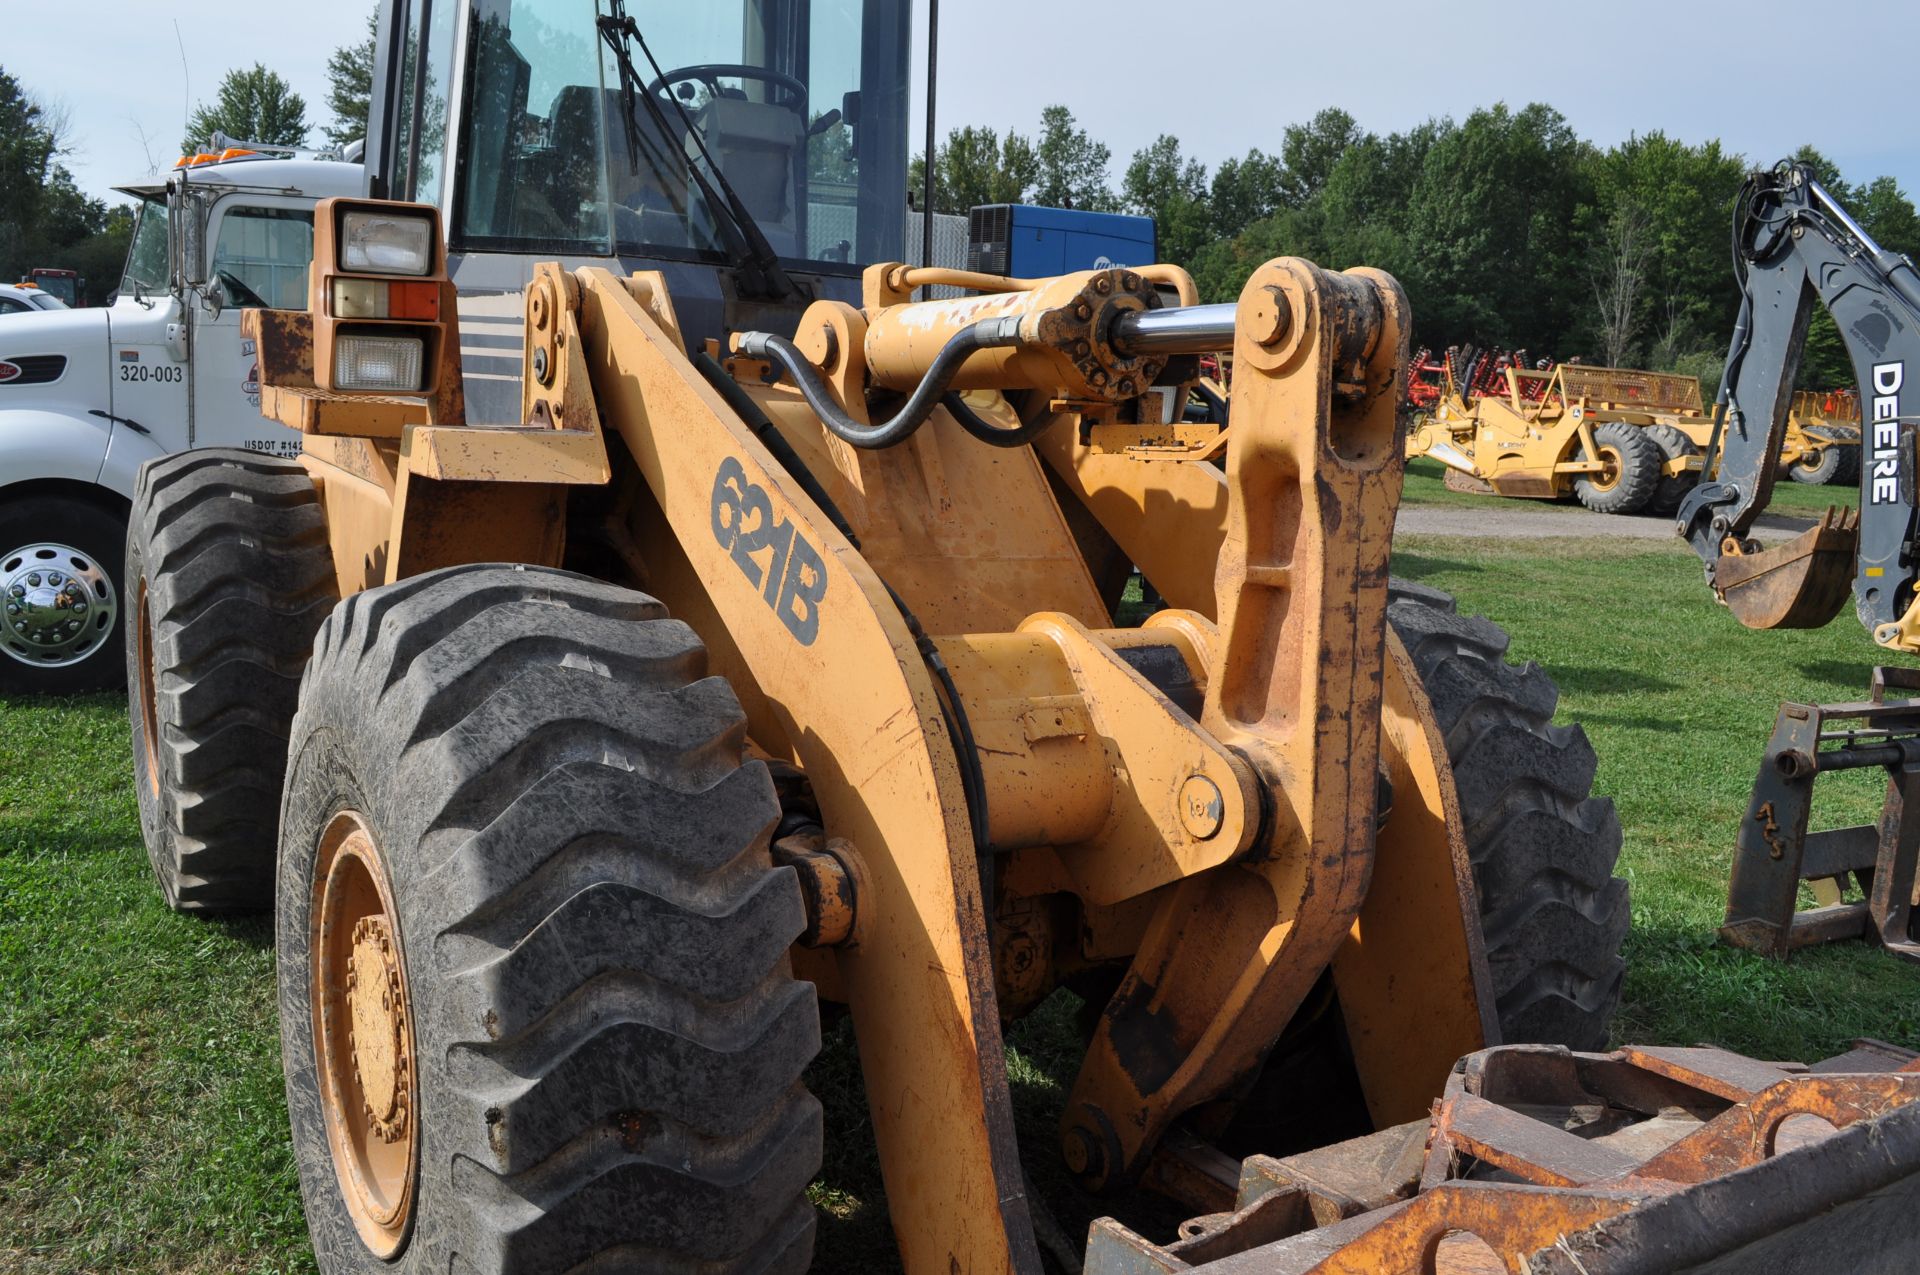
(609, 1035)
(230, 575)
(1672, 488)
(1838, 465)
(91, 537)
(1543, 848)
(1638, 477)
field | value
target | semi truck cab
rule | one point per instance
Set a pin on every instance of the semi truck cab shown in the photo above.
(87, 395)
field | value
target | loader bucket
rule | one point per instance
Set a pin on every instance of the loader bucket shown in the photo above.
(1797, 585)
(1540, 1160)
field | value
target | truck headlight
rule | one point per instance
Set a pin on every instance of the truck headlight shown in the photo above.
(391, 363)
(380, 243)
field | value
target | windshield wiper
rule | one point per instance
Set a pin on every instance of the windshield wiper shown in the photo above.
(761, 276)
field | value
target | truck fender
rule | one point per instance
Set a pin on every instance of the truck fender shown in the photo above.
(126, 452)
(36, 444)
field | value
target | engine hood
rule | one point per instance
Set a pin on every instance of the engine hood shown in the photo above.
(55, 361)
(54, 332)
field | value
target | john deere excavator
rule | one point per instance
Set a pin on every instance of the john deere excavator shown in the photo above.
(767, 655)
(1794, 245)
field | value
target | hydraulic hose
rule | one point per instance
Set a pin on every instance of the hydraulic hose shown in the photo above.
(987, 334)
(995, 435)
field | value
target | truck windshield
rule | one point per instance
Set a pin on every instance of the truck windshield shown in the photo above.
(801, 103)
(57, 283)
(147, 259)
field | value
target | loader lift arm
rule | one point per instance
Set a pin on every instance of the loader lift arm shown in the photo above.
(1793, 242)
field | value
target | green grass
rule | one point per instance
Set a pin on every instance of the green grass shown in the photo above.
(142, 1124)
(1678, 700)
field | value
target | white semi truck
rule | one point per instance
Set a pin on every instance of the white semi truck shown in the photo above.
(87, 395)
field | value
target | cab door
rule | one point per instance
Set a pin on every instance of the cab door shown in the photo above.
(262, 246)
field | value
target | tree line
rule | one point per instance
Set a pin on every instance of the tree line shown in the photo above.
(1506, 228)
(47, 221)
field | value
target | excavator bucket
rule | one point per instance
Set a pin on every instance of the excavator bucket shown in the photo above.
(1800, 584)
(1540, 1160)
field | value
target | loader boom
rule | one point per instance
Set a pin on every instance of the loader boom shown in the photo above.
(1793, 242)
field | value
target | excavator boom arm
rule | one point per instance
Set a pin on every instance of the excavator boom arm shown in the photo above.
(1795, 243)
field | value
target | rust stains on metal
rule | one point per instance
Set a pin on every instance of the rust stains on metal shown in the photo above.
(1800, 584)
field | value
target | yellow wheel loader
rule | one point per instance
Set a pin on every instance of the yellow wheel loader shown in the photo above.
(766, 655)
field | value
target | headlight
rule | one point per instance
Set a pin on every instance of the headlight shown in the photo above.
(390, 363)
(379, 243)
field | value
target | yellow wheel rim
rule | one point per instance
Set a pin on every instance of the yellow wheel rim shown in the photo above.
(363, 1035)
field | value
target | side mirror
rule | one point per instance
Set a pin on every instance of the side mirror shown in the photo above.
(190, 215)
(850, 108)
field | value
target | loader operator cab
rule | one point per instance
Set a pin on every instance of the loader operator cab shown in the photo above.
(548, 153)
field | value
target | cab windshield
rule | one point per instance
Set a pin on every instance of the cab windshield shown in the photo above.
(801, 103)
(146, 273)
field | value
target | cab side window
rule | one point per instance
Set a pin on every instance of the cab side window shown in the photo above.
(9, 306)
(261, 257)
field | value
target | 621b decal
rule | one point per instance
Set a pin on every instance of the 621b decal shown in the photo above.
(792, 578)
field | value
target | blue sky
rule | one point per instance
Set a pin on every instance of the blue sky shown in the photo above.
(1763, 76)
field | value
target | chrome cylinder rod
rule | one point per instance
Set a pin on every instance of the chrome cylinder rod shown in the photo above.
(1192, 329)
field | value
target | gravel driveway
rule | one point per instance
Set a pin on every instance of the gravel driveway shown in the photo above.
(1527, 521)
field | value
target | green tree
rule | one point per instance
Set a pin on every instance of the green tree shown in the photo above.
(1072, 166)
(100, 256)
(26, 155)
(1492, 253)
(1884, 211)
(977, 166)
(253, 105)
(1682, 197)
(1245, 190)
(1309, 151)
(350, 86)
(1162, 184)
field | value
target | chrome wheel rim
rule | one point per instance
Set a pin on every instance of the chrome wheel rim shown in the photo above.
(57, 605)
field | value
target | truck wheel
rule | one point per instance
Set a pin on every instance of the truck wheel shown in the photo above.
(1835, 463)
(60, 596)
(536, 1009)
(231, 575)
(1632, 473)
(1672, 488)
(1543, 847)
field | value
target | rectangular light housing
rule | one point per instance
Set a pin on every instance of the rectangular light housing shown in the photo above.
(379, 299)
(383, 243)
(389, 363)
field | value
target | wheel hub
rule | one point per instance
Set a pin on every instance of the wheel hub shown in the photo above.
(56, 605)
(1610, 474)
(366, 1066)
(379, 1028)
